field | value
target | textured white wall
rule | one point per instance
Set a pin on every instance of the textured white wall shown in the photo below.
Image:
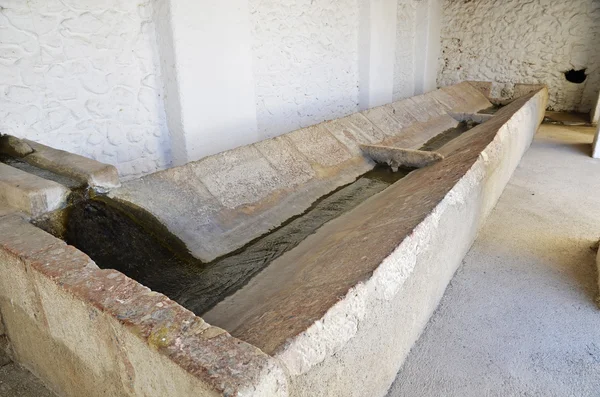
(308, 56)
(305, 55)
(516, 41)
(206, 59)
(377, 41)
(595, 113)
(85, 75)
(427, 45)
(82, 75)
(417, 47)
(404, 68)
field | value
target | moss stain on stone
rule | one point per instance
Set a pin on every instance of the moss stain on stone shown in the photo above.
(159, 338)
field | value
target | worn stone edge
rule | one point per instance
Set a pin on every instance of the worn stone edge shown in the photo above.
(100, 176)
(407, 157)
(315, 343)
(53, 194)
(467, 116)
(225, 364)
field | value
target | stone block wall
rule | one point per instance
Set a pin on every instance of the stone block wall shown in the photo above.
(534, 42)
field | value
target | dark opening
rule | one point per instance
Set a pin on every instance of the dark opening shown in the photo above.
(576, 76)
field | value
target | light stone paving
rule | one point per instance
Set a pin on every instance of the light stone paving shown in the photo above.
(18, 382)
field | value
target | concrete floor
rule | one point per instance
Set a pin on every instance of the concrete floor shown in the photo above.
(18, 382)
(519, 317)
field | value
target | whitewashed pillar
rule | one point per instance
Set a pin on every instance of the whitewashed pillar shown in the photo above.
(206, 62)
(596, 144)
(377, 45)
(427, 45)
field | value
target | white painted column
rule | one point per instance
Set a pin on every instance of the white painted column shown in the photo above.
(427, 45)
(434, 45)
(377, 52)
(206, 60)
(596, 145)
(595, 113)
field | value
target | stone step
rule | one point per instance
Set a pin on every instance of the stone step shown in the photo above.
(101, 177)
(30, 193)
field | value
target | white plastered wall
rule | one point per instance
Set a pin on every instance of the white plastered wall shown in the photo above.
(532, 42)
(417, 47)
(316, 60)
(595, 113)
(83, 76)
(305, 58)
(207, 62)
(146, 85)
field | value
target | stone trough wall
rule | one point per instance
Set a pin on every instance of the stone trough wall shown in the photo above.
(91, 332)
(218, 204)
(94, 332)
(357, 346)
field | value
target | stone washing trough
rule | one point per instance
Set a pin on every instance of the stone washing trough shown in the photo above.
(295, 266)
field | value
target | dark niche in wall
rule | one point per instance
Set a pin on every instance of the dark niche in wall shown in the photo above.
(576, 76)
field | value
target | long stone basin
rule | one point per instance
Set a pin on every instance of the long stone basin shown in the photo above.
(335, 315)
